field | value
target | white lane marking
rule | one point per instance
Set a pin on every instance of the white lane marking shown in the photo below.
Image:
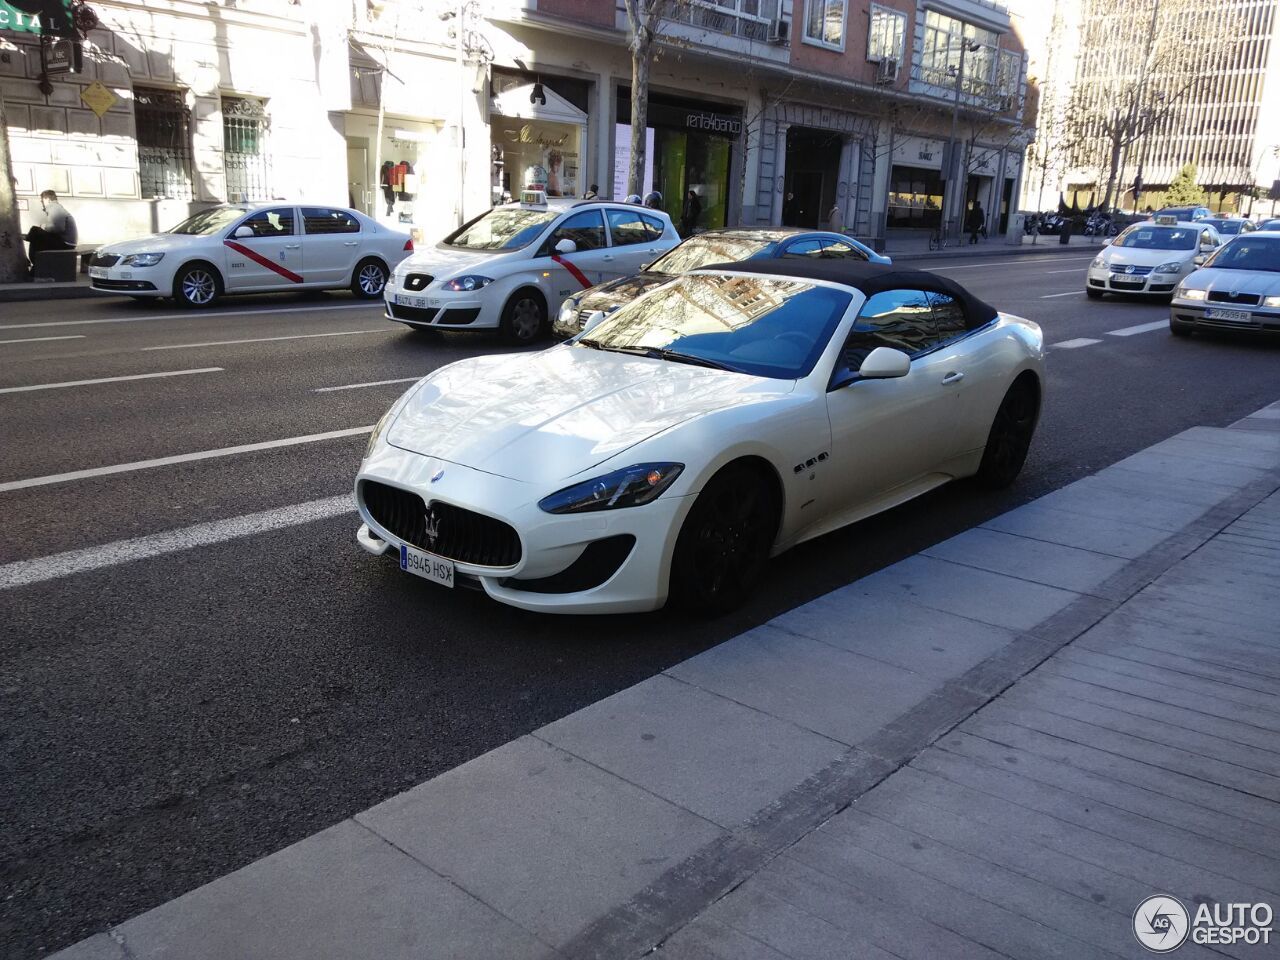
(192, 315)
(1074, 344)
(1069, 293)
(179, 458)
(1140, 328)
(78, 336)
(1012, 261)
(296, 336)
(371, 383)
(87, 383)
(24, 572)
(1049, 273)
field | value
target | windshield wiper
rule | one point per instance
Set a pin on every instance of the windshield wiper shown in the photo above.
(660, 353)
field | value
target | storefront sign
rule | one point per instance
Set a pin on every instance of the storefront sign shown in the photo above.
(713, 122)
(33, 16)
(919, 152)
(622, 160)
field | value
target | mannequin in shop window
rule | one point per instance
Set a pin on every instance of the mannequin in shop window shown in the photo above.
(385, 177)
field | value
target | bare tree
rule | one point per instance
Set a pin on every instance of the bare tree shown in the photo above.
(13, 260)
(645, 18)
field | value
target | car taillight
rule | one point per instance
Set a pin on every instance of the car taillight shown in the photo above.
(408, 245)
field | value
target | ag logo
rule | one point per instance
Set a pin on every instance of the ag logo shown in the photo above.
(1161, 924)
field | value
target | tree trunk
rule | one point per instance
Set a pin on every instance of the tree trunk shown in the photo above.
(641, 51)
(13, 259)
(1113, 171)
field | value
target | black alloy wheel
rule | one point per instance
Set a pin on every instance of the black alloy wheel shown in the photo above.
(724, 543)
(1010, 436)
(524, 319)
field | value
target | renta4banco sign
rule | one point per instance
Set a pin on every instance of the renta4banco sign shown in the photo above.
(35, 16)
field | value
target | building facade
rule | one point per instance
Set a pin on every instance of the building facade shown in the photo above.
(422, 113)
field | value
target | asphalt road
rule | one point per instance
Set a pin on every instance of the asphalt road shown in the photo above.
(167, 720)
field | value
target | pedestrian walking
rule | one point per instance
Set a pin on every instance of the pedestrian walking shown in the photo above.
(835, 219)
(56, 230)
(690, 214)
(975, 221)
(592, 193)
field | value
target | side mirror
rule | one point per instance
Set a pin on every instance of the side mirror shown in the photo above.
(243, 231)
(566, 246)
(593, 320)
(1106, 242)
(1207, 248)
(885, 363)
(1199, 260)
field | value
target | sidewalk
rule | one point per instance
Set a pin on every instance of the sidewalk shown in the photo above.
(995, 748)
(914, 245)
(78, 289)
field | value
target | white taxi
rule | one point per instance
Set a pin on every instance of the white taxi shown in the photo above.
(510, 268)
(1150, 257)
(253, 249)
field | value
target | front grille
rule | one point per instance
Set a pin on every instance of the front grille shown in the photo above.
(100, 259)
(417, 281)
(583, 317)
(1134, 270)
(414, 314)
(1127, 285)
(102, 284)
(1220, 296)
(460, 534)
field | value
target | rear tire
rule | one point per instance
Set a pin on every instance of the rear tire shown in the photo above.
(1093, 294)
(724, 542)
(524, 318)
(369, 279)
(1010, 436)
(197, 286)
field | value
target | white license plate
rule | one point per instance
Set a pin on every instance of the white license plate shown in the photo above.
(1235, 316)
(99, 272)
(405, 300)
(426, 565)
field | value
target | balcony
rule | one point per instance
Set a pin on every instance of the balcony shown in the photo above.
(976, 93)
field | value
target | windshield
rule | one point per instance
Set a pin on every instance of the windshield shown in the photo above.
(502, 228)
(209, 221)
(1144, 236)
(1227, 227)
(1248, 253)
(762, 326)
(702, 250)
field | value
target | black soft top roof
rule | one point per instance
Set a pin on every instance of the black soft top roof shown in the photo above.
(870, 278)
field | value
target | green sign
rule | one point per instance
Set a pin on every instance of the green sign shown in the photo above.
(36, 16)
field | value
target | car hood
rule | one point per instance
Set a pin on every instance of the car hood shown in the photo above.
(611, 295)
(1262, 283)
(157, 243)
(548, 416)
(1119, 256)
(446, 262)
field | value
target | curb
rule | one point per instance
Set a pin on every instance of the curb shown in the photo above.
(30, 292)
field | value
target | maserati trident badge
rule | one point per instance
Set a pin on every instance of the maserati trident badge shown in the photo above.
(437, 475)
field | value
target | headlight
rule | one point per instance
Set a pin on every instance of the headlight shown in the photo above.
(1173, 266)
(141, 259)
(629, 487)
(1185, 293)
(467, 283)
(1271, 301)
(568, 310)
(378, 429)
(1098, 262)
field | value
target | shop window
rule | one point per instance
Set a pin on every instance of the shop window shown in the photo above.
(585, 229)
(322, 220)
(163, 125)
(824, 22)
(884, 39)
(535, 154)
(244, 157)
(270, 223)
(628, 227)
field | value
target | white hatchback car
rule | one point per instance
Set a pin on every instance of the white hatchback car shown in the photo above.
(510, 268)
(1150, 257)
(253, 249)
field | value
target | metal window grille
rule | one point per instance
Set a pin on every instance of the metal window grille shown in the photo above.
(163, 125)
(244, 146)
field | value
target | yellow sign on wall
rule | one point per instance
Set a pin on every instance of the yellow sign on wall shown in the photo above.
(98, 98)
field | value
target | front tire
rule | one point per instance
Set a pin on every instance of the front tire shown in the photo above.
(724, 543)
(1010, 436)
(1093, 294)
(369, 279)
(197, 285)
(524, 319)
(1180, 329)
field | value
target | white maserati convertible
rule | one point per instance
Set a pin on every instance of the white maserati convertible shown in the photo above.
(670, 449)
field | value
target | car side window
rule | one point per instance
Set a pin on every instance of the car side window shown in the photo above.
(270, 223)
(323, 220)
(811, 248)
(948, 316)
(901, 319)
(585, 229)
(628, 227)
(838, 250)
(653, 227)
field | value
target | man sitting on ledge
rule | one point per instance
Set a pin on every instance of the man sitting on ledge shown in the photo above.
(56, 232)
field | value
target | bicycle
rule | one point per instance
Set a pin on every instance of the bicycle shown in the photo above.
(941, 237)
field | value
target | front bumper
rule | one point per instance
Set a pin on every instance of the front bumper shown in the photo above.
(1151, 284)
(1195, 314)
(440, 309)
(134, 281)
(550, 544)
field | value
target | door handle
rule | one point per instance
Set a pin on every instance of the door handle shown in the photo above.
(953, 377)
(607, 259)
(351, 243)
(292, 246)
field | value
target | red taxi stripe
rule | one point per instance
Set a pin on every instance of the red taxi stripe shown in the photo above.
(263, 261)
(574, 271)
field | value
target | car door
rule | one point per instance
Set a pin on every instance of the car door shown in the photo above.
(889, 433)
(330, 244)
(634, 236)
(264, 250)
(585, 266)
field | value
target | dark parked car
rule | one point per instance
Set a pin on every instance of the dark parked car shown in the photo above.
(729, 245)
(1185, 214)
(1231, 226)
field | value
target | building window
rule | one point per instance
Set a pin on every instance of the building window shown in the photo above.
(163, 125)
(736, 18)
(943, 38)
(244, 149)
(824, 22)
(884, 39)
(1010, 73)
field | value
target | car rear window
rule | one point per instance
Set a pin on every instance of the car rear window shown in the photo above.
(1145, 236)
(1248, 252)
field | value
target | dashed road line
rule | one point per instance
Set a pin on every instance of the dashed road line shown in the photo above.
(371, 383)
(78, 336)
(25, 572)
(1140, 328)
(179, 458)
(296, 336)
(191, 315)
(1074, 344)
(1069, 293)
(87, 383)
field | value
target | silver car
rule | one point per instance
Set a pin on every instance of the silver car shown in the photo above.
(1236, 288)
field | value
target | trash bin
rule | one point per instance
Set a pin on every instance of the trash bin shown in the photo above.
(1065, 236)
(1017, 229)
